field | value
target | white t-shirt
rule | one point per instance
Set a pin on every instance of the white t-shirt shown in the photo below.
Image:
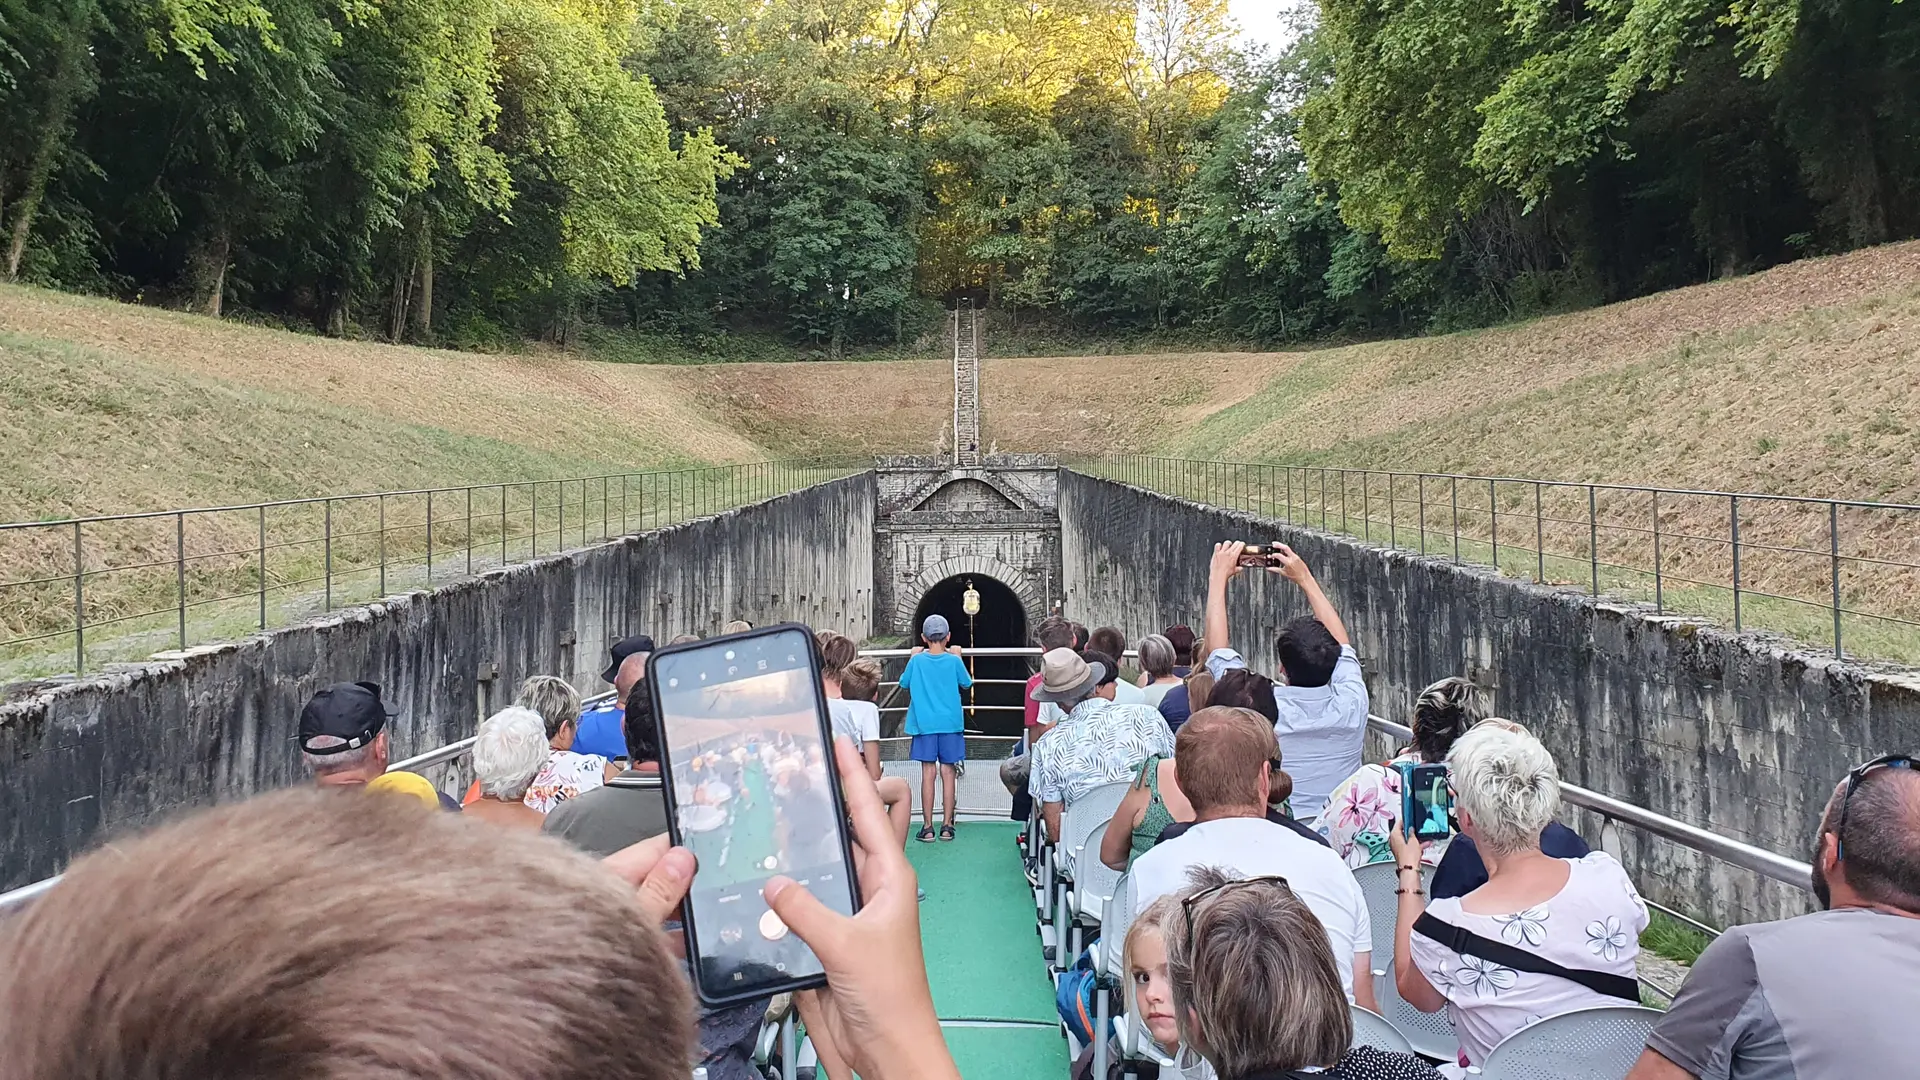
(857, 720)
(1157, 693)
(1594, 922)
(1256, 847)
(1125, 693)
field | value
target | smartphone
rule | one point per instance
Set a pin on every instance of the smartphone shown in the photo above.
(1426, 800)
(1253, 555)
(746, 749)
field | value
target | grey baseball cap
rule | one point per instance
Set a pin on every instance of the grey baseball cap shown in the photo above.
(935, 626)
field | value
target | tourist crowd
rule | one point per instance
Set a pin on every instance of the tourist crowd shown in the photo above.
(307, 933)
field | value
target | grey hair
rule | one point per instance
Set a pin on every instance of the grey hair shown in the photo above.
(1156, 655)
(553, 697)
(1506, 783)
(508, 752)
(327, 764)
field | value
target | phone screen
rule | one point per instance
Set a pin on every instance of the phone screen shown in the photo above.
(743, 729)
(1428, 802)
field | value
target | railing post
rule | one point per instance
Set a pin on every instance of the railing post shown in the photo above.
(533, 542)
(1453, 492)
(1393, 528)
(1659, 585)
(1593, 537)
(1343, 503)
(605, 510)
(1323, 496)
(623, 504)
(1421, 494)
(1366, 504)
(382, 545)
(79, 604)
(503, 524)
(469, 531)
(1539, 538)
(1493, 521)
(328, 543)
(429, 537)
(1287, 516)
(1833, 555)
(261, 564)
(180, 570)
(560, 533)
(1733, 532)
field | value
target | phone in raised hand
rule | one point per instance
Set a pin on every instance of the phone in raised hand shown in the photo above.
(746, 753)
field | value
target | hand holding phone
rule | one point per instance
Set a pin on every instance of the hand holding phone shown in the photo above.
(745, 740)
(1426, 801)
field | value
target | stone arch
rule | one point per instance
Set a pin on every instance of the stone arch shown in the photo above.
(921, 497)
(960, 566)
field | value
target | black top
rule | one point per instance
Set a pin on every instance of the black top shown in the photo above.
(1273, 815)
(1461, 869)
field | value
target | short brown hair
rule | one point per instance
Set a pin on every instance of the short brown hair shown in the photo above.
(1108, 640)
(1218, 755)
(860, 680)
(836, 651)
(1243, 689)
(1053, 633)
(1256, 987)
(324, 934)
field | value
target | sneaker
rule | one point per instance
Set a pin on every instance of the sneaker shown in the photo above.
(926, 834)
(921, 895)
(946, 832)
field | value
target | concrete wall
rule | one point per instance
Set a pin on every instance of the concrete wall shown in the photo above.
(119, 751)
(1732, 733)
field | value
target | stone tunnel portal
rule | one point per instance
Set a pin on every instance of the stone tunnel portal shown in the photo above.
(1001, 623)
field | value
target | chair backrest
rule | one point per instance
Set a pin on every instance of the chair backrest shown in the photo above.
(1430, 1033)
(1115, 920)
(1372, 1029)
(1077, 821)
(1093, 879)
(1600, 1043)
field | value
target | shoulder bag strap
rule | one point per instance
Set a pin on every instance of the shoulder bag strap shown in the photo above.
(1467, 943)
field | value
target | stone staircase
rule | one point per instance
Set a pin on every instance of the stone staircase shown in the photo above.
(966, 385)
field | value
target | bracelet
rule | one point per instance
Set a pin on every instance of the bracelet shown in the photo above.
(1407, 869)
(1404, 892)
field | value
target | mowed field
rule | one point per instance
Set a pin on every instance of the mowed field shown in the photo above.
(1805, 378)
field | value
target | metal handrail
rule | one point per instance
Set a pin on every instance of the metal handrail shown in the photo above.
(1744, 855)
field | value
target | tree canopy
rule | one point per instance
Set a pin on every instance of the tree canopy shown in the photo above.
(831, 172)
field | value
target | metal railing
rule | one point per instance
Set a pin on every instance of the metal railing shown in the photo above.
(1844, 573)
(86, 591)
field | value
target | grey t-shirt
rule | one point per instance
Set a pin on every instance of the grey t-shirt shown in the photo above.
(1821, 997)
(629, 808)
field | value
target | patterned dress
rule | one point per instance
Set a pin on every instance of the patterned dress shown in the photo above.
(565, 775)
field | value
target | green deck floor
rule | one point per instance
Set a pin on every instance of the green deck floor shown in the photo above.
(983, 956)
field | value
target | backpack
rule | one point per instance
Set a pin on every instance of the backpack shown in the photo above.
(1074, 997)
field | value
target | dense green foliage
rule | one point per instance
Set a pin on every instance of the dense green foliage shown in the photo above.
(831, 172)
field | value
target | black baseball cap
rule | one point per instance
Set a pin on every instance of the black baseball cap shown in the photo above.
(626, 647)
(342, 717)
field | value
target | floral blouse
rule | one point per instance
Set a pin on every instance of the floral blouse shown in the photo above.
(1360, 811)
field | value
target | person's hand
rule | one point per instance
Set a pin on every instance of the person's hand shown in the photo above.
(918, 649)
(952, 648)
(1226, 559)
(1289, 565)
(659, 874)
(876, 1011)
(1406, 850)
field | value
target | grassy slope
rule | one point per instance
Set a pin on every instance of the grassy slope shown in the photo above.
(107, 408)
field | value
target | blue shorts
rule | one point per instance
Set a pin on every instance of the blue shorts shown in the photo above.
(947, 748)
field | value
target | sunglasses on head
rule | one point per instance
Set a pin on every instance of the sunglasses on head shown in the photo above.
(1208, 893)
(1855, 776)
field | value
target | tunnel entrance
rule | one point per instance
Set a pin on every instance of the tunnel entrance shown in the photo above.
(1001, 623)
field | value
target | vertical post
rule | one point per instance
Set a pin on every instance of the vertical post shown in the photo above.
(605, 511)
(1343, 502)
(328, 543)
(503, 524)
(1393, 531)
(533, 541)
(79, 605)
(1833, 556)
(1453, 492)
(1323, 496)
(1733, 532)
(260, 564)
(560, 533)
(469, 531)
(382, 545)
(1420, 492)
(180, 570)
(623, 504)
(429, 537)
(1539, 538)
(1366, 504)
(1287, 516)
(1593, 538)
(1659, 586)
(1493, 521)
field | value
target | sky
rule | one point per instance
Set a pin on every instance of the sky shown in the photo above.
(1261, 20)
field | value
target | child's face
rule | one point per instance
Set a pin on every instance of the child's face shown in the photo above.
(1153, 995)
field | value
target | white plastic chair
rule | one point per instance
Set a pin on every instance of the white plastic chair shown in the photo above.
(1094, 808)
(1430, 1034)
(1092, 885)
(1372, 1029)
(1601, 1043)
(1116, 918)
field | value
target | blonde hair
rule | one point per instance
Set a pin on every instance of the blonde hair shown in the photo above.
(325, 935)
(1506, 783)
(1255, 983)
(1152, 918)
(553, 697)
(860, 680)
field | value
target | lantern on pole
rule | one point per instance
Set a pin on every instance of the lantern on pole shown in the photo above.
(970, 603)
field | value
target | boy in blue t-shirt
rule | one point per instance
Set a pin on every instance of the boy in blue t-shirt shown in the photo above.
(933, 680)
